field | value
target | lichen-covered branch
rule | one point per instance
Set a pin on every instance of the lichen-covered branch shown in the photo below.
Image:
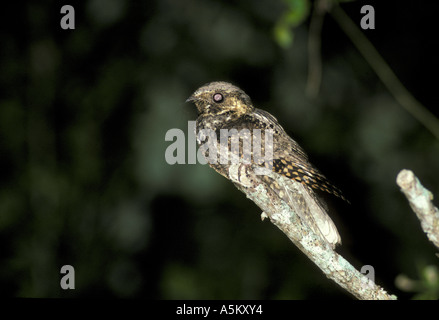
(420, 200)
(317, 249)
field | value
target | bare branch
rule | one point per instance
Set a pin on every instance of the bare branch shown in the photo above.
(313, 245)
(420, 200)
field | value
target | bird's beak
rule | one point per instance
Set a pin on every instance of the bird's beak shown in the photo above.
(191, 99)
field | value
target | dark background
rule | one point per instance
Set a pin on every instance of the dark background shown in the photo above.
(84, 181)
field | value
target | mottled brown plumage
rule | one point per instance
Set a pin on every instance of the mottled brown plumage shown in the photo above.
(222, 105)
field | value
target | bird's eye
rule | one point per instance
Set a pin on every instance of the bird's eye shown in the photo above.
(218, 97)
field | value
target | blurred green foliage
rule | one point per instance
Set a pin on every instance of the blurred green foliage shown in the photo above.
(426, 288)
(297, 12)
(83, 118)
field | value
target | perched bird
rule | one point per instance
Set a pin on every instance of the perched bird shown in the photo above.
(224, 108)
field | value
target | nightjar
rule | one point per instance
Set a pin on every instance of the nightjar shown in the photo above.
(227, 115)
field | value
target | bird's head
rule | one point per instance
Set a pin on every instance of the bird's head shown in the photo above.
(219, 98)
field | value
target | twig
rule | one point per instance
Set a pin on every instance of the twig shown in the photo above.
(312, 245)
(420, 200)
(382, 69)
(314, 45)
